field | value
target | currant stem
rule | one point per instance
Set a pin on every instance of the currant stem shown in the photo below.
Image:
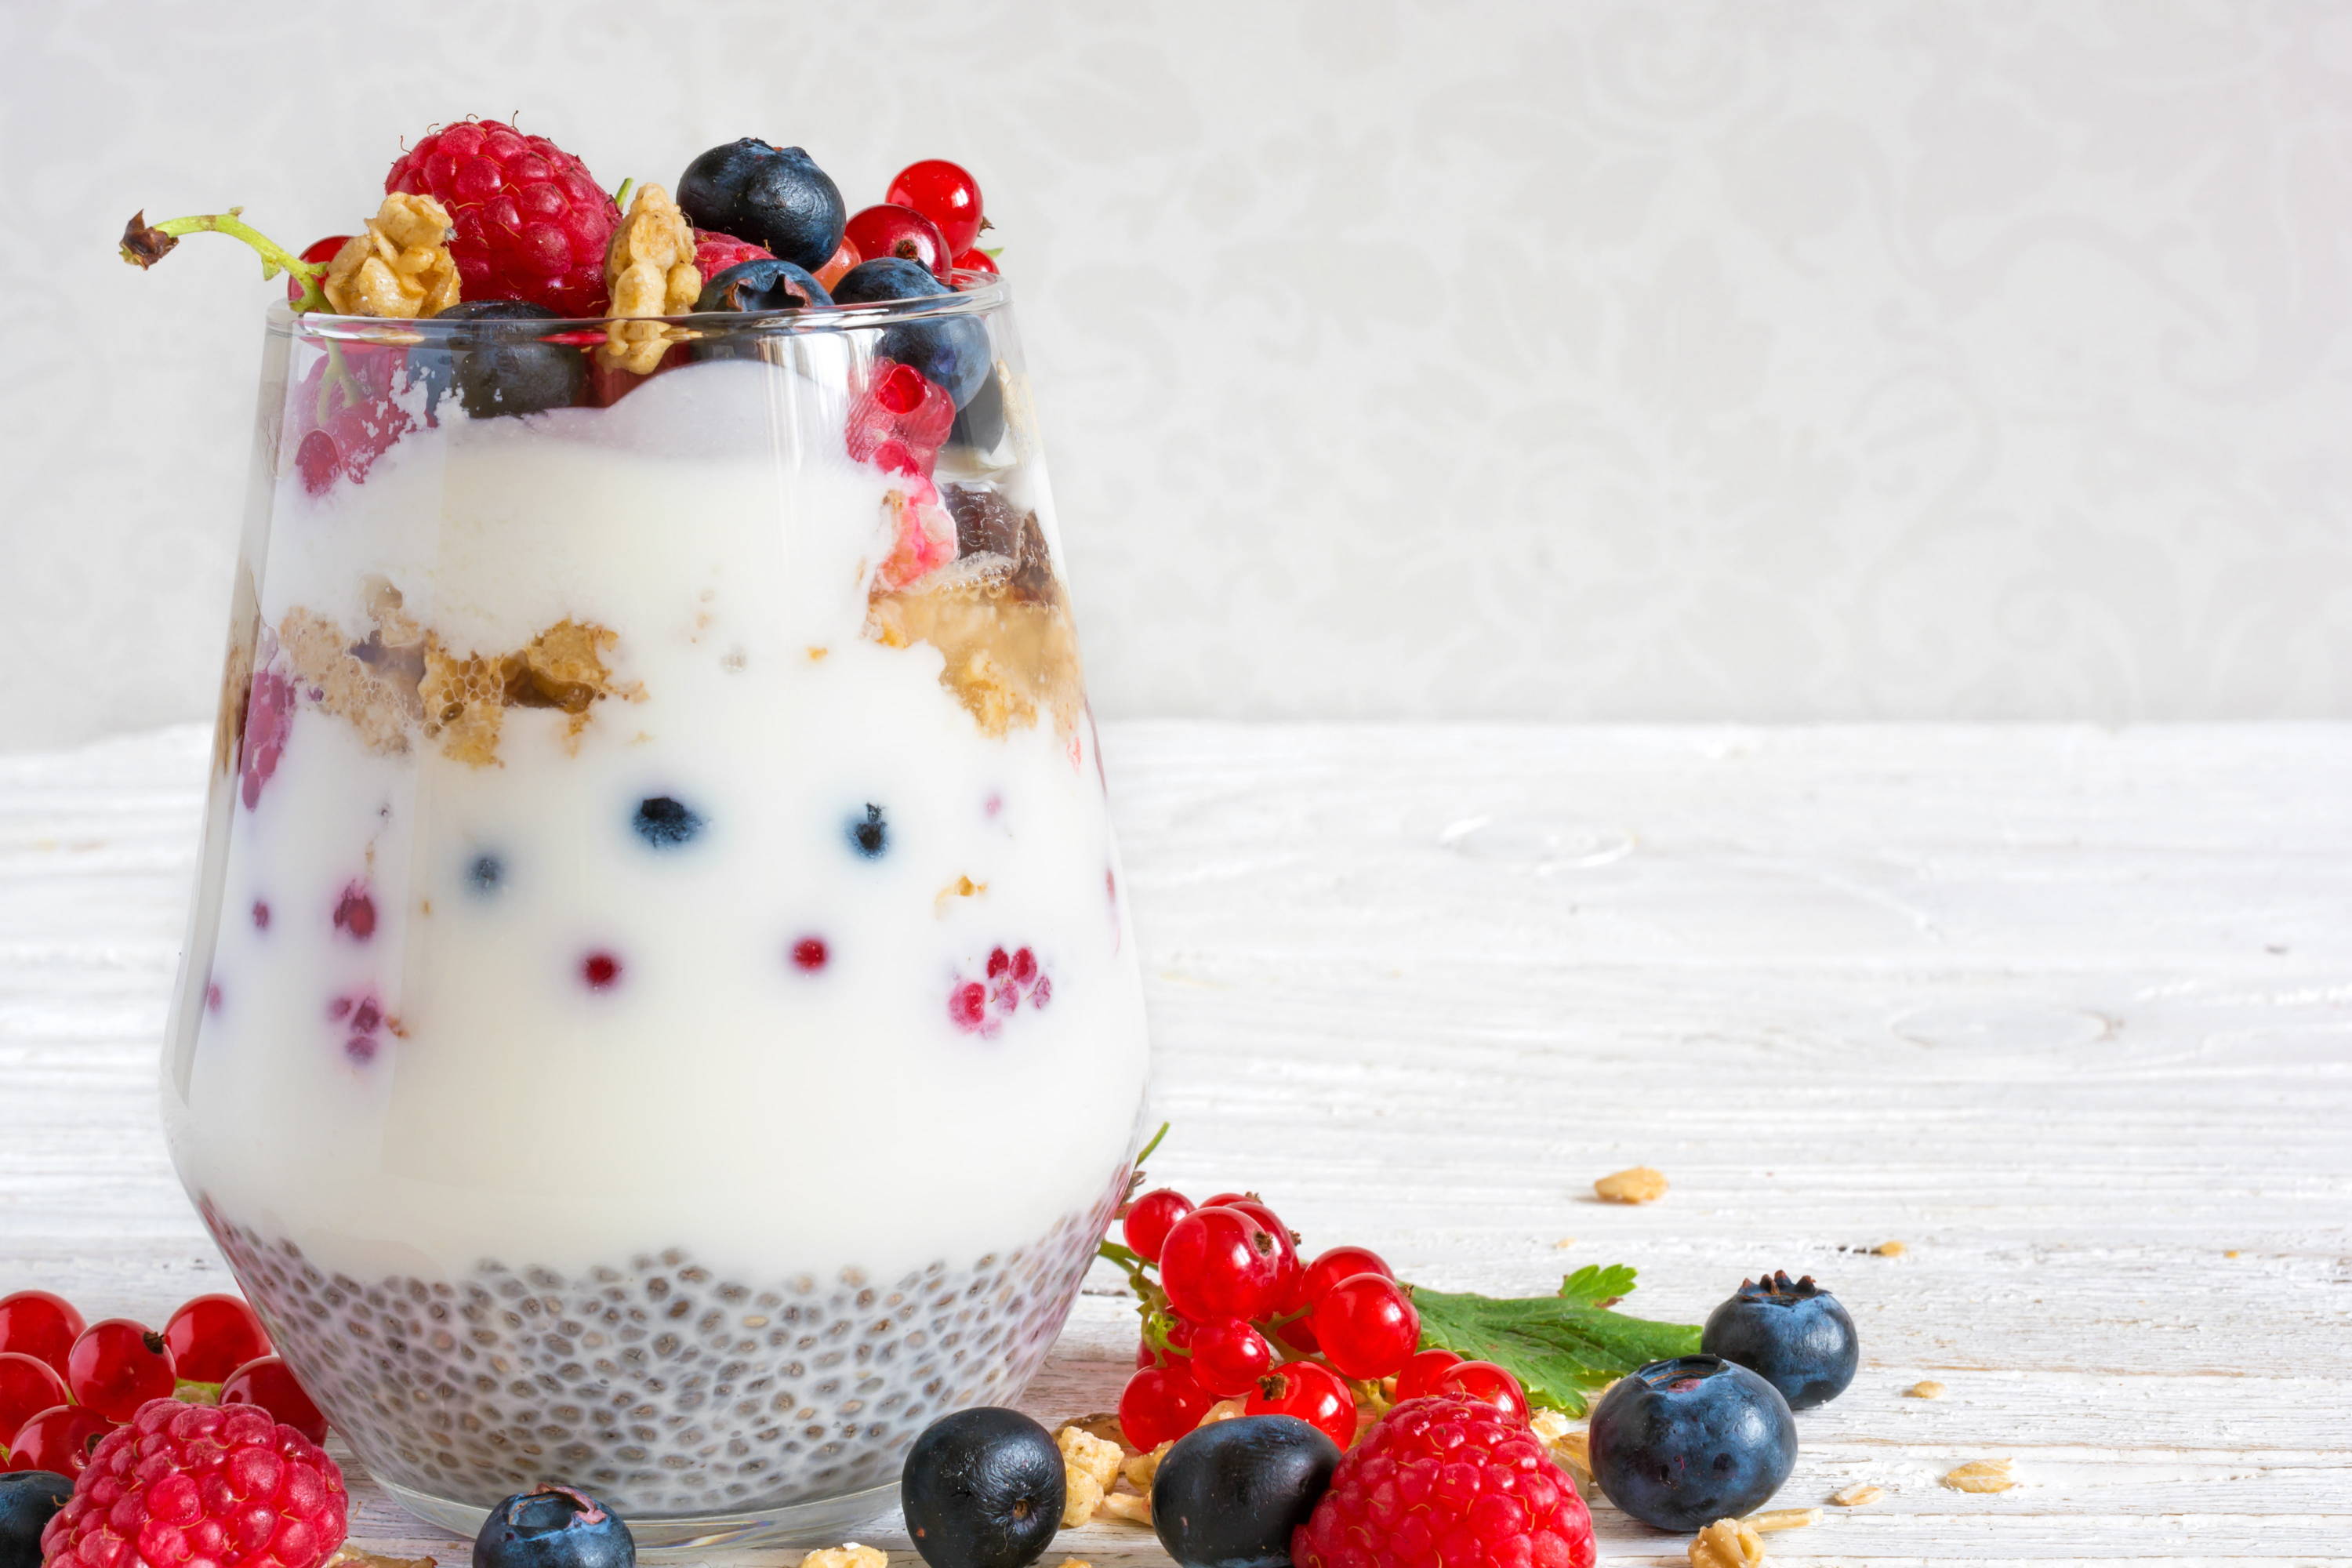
(1147, 1148)
(144, 243)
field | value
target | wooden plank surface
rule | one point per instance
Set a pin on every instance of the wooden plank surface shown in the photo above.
(2069, 1012)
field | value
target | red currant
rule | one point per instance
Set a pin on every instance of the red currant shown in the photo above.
(845, 256)
(1489, 1385)
(37, 1324)
(212, 1336)
(977, 262)
(1311, 1392)
(1340, 1263)
(321, 251)
(1221, 1263)
(944, 192)
(902, 232)
(28, 1385)
(1420, 1374)
(119, 1365)
(1366, 1325)
(269, 1384)
(1179, 1335)
(1229, 1356)
(1150, 1217)
(1159, 1405)
(58, 1440)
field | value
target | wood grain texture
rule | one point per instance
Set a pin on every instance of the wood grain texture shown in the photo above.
(2069, 1012)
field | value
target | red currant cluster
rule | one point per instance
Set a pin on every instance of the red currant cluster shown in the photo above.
(64, 1384)
(1235, 1314)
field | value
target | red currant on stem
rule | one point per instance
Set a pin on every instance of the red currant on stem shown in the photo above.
(1221, 1263)
(1489, 1385)
(1311, 1392)
(944, 192)
(28, 1385)
(269, 1384)
(1367, 1326)
(212, 1336)
(1159, 1405)
(1175, 1341)
(1150, 1217)
(1340, 1263)
(976, 260)
(888, 230)
(1229, 1356)
(320, 252)
(58, 1440)
(37, 1324)
(1420, 1374)
(1288, 1292)
(118, 1365)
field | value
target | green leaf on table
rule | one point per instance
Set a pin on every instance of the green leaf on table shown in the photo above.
(1559, 1347)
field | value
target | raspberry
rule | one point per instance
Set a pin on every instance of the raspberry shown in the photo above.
(714, 252)
(1447, 1481)
(531, 224)
(188, 1483)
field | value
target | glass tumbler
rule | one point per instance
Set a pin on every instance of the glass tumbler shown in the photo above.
(659, 1013)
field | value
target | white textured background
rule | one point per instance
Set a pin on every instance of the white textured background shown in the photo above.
(1768, 360)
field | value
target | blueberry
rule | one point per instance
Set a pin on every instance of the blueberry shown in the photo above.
(27, 1501)
(1793, 1333)
(1229, 1494)
(774, 196)
(952, 351)
(980, 424)
(553, 1527)
(983, 1489)
(869, 833)
(500, 369)
(1683, 1443)
(666, 823)
(762, 285)
(485, 873)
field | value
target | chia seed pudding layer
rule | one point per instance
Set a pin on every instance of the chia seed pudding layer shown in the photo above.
(658, 1384)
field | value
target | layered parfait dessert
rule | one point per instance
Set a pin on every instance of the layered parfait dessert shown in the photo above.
(660, 1012)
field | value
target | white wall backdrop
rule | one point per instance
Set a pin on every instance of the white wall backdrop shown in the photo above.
(1758, 360)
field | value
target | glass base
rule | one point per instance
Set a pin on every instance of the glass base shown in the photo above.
(824, 1521)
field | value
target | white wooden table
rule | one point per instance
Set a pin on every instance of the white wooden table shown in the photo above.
(2068, 1012)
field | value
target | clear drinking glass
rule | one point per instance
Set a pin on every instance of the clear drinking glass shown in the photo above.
(659, 1012)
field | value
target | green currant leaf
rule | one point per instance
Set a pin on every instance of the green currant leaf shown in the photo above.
(1559, 1347)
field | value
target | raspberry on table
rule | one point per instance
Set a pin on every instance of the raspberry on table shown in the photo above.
(221, 1484)
(531, 224)
(1447, 1481)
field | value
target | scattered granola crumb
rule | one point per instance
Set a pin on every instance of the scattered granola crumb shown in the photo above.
(1980, 1476)
(962, 887)
(1782, 1518)
(848, 1556)
(1133, 1507)
(1140, 1470)
(1082, 1451)
(1639, 1185)
(1860, 1495)
(1564, 1242)
(1082, 1495)
(347, 1555)
(1889, 1249)
(1925, 1389)
(2232, 1252)
(1224, 1410)
(1727, 1543)
(1548, 1426)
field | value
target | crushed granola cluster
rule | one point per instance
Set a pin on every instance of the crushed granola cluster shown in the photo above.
(398, 265)
(1105, 1477)
(1727, 1543)
(649, 271)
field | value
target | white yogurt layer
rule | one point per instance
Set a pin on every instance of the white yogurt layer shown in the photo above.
(715, 1095)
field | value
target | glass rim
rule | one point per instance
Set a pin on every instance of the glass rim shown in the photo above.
(976, 293)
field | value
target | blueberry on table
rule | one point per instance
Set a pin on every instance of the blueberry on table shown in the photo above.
(1229, 1494)
(666, 822)
(952, 351)
(1683, 1443)
(497, 368)
(774, 196)
(28, 1500)
(983, 1489)
(869, 834)
(1795, 1335)
(553, 1527)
